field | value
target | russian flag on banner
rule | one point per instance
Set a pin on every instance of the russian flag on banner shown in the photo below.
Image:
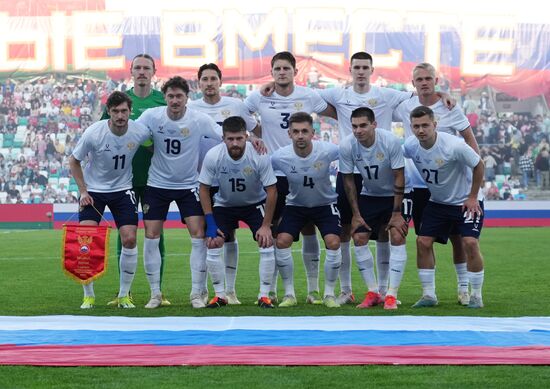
(334, 340)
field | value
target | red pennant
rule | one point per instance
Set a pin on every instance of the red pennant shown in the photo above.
(85, 251)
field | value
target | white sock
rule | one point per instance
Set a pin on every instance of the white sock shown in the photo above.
(286, 268)
(461, 277)
(398, 259)
(476, 282)
(383, 265)
(333, 261)
(427, 279)
(311, 257)
(216, 267)
(231, 259)
(198, 266)
(267, 267)
(275, 278)
(88, 290)
(345, 268)
(365, 263)
(151, 263)
(128, 266)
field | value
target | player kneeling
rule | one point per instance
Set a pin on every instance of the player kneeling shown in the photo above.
(311, 199)
(246, 193)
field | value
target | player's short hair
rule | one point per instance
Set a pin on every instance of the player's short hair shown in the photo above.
(361, 55)
(234, 124)
(176, 82)
(425, 66)
(284, 56)
(363, 112)
(116, 98)
(143, 55)
(421, 111)
(209, 66)
(300, 117)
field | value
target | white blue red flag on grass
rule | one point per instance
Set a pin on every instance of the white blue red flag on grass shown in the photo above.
(334, 340)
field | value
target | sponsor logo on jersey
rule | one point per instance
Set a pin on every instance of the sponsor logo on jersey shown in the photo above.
(160, 130)
(107, 147)
(380, 156)
(224, 170)
(293, 170)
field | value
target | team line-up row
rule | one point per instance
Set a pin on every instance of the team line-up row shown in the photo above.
(275, 178)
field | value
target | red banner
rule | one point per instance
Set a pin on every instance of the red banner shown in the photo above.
(84, 252)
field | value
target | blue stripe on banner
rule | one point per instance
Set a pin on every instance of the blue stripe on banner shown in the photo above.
(517, 213)
(276, 338)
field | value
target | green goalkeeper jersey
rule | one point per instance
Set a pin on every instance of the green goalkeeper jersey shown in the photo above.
(142, 159)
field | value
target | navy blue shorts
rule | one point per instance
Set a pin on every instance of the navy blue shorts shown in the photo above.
(421, 198)
(441, 219)
(326, 218)
(282, 191)
(157, 202)
(342, 202)
(376, 211)
(228, 217)
(122, 204)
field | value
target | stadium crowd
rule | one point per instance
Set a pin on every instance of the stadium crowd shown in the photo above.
(42, 119)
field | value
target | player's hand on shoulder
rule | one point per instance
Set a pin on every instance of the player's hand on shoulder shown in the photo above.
(258, 145)
(267, 89)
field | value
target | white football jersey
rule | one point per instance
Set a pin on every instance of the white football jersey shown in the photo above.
(375, 163)
(241, 182)
(308, 178)
(450, 121)
(446, 167)
(275, 110)
(226, 107)
(381, 100)
(109, 165)
(176, 144)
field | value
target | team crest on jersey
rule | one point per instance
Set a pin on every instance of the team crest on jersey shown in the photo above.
(247, 171)
(145, 208)
(318, 165)
(131, 146)
(439, 162)
(185, 131)
(225, 113)
(372, 102)
(298, 106)
(380, 156)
